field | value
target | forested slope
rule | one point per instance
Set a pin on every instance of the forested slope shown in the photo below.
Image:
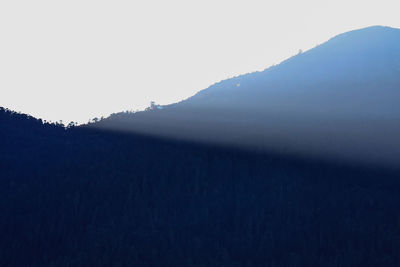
(86, 197)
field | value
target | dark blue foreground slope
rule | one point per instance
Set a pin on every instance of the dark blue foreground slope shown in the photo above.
(84, 197)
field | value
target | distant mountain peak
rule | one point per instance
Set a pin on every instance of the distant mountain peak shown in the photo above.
(339, 98)
(367, 31)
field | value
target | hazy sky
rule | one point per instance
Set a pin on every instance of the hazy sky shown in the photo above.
(75, 60)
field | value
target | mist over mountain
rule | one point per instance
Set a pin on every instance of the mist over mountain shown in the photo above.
(338, 100)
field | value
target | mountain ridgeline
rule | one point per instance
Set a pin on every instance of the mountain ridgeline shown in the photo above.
(338, 100)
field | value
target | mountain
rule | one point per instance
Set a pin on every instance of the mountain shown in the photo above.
(95, 196)
(338, 100)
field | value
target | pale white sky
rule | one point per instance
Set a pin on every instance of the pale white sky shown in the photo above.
(79, 59)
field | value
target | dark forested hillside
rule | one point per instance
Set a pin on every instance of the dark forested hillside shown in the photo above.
(338, 100)
(86, 197)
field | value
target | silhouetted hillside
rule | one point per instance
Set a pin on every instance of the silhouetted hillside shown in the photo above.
(86, 197)
(337, 100)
